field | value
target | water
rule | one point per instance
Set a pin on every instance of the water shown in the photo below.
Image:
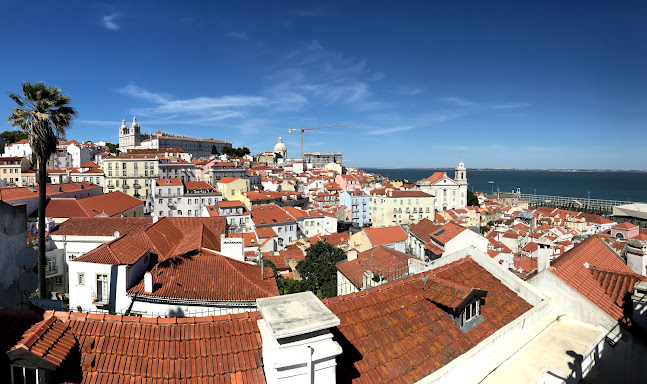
(615, 185)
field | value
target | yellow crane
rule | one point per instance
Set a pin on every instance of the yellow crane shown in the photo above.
(309, 128)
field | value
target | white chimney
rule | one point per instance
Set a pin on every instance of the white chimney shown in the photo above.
(298, 346)
(232, 247)
(351, 255)
(543, 256)
(148, 282)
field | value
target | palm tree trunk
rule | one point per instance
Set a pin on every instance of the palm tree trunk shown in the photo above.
(42, 200)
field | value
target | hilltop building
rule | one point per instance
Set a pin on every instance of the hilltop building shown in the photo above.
(132, 138)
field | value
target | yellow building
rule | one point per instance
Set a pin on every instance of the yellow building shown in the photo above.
(233, 188)
(394, 207)
(130, 174)
(11, 169)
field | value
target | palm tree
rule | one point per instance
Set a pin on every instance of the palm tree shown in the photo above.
(43, 113)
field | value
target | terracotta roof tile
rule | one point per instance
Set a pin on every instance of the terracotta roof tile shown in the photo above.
(588, 267)
(103, 226)
(209, 276)
(381, 261)
(385, 235)
(124, 250)
(395, 332)
(49, 339)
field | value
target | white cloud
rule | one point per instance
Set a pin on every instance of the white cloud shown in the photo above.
(510, 106)
(110, 23)
(196, 110)
(408, 91)
(391, 130)
(456, 101)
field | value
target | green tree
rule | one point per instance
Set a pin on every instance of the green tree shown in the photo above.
(112, 148)
(214, 150)
(44, 113)
(472, 200)
(12, 136)
(318, 270)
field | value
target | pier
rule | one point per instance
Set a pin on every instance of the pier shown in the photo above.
(573, 202)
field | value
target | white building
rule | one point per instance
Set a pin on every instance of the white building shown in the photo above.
(174, 197)
(239, 220)
(449, 193)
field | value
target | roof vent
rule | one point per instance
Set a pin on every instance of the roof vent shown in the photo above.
(439, 232)
(587, 265)
(168, 181)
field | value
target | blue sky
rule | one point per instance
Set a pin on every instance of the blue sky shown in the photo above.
(545, 84)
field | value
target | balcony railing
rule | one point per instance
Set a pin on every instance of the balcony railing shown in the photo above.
(137, 186)
(126, 186)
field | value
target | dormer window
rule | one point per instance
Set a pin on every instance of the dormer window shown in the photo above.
(471, 311)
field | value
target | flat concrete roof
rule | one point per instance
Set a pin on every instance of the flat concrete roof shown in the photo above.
(295, 314)
(553, 349)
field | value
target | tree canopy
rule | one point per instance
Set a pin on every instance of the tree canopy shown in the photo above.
(472, 200)
(13, 136)
(43, 113)
(318, 270)
(234, 152)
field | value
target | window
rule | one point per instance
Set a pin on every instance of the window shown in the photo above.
(24, 375)
(470, 312)
(161, 213)
(109, 165)
(102, 288)
(58, 280)
(110, 173)
(123, 165)
(123, 173)
(81, 277)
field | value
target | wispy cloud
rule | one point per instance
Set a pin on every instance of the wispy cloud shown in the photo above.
(408, 91)
(198, 110)
(538, 148)
(109, 21)
(391, 130)
(456, 102)
(237, 35)
(510, 106)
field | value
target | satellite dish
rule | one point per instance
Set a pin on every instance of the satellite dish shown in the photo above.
(28, 282)
(27, 258)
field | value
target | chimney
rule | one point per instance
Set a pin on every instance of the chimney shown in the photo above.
(543, 256)
(148, 282)
(351, 255)
(298, 346)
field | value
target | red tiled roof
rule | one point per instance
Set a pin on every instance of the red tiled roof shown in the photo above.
(230, 204)
(265, 232)
(115, 349)
(381, 261)
(399, 332)
(103, 226)
(249, 238)
(572, 268)
(625, 224)
(447, 232)
(385, 235)
(192, 185)
(227, 180)
(423, 229)
(209, 276)
(111, 204)
(89, 164)
(49, 339)
(340, 238)
(270, 214)
(124, 250)
(169, 182)
(435, 177)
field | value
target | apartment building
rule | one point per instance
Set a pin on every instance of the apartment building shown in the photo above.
(173, 197)
(394, 207)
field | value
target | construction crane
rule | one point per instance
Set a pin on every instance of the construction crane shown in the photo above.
(307, 129)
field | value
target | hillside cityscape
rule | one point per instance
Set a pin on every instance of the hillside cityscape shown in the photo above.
(323, 192)
(161, 229)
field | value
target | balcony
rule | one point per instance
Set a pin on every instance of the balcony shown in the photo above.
(111, 186)
(137, 186)
(126, 186)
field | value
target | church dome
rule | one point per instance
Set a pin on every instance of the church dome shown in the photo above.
(460, 166)
(280, 147)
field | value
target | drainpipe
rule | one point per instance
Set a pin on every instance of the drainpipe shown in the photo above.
(309, 365)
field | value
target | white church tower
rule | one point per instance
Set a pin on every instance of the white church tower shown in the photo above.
(129, 137)
(460, 176)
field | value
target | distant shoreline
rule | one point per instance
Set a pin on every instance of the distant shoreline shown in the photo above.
(517, 169)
